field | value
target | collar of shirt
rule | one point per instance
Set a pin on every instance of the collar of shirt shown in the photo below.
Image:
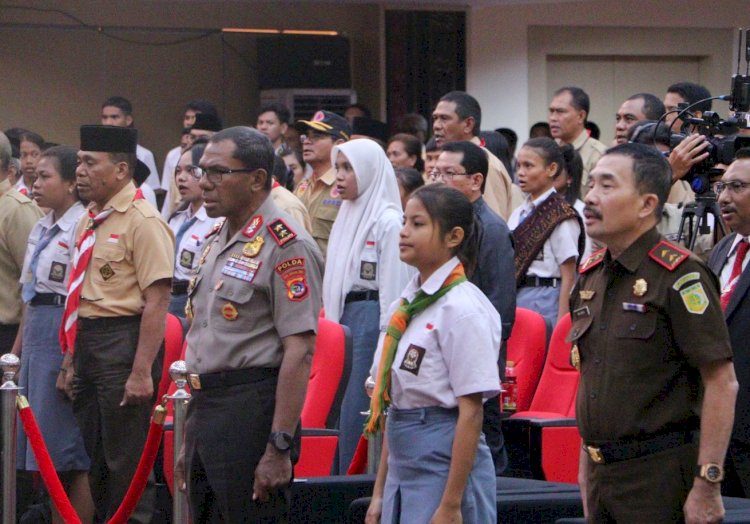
(329, 177)
(267, 210)
(68, 220)
(580, 140)
(529, 205)
(431, 285)
(200, 214)
(121, 201)
(4, 187)
(631, 258)
(736, 242)
(20, 185)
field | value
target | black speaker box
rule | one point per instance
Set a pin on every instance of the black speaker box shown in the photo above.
(291, 61)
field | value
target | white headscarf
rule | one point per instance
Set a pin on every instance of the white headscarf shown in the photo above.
(377, 196)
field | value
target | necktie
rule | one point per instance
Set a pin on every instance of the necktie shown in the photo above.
(81, 258)
(726, 294)
(181, 232)
(27, 290)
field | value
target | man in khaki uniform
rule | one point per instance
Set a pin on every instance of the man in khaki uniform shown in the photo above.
(120, 329)
(457, 117)
(318, 191)
(568, 112)
(18, 215)
(255, 302)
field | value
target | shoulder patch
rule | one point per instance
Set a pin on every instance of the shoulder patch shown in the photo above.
(594, 260)
(281, 232)
(668, 255)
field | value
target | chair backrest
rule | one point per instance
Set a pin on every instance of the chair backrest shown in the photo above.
(329, 376)
(174, 338)
(526, 347)
(558, 385)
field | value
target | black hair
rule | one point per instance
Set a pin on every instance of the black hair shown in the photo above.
(474, 160)
(578, 98)
(647, 132)
(653, 108)
(510, 136)
(280, 110)
(252, 148)
(550, 152)
(34, 138)
(201, 106)
(281, 173)
(431, 146)
(594, 131)
(361, 107)
(65, 159)
(496, 144)
(409, 178)
(129, 158)
(123, 104)
(742, 153)
(412, 123)
(691, 93)
(450, 208)
(541, 126)
(466, 106)
(286, 150)
(651, 170)
(573, 165)
(196, 148)
(412, 146)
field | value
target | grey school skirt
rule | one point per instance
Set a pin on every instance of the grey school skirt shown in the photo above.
(419, 457)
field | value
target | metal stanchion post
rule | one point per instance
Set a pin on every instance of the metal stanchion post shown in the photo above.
(9, 391)
(375, 442)
(180, 399)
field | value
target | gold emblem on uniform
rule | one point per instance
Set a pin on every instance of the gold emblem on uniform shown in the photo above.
(229, 312)
(106, 271)
(640, 287)
(587, 294)
(253, 247)
(575, 357)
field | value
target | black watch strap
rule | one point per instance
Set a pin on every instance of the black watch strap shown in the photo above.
(281, 441)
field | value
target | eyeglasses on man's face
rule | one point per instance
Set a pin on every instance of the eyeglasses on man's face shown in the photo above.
(735, 186)
(216, 174)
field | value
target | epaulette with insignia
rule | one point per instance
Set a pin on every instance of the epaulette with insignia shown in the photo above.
(594, 260)
(668, 255)
(217, 227)
(281, 232)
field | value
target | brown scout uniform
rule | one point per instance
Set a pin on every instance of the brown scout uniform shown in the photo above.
(643, 326)
(323, 202)
(591, 150)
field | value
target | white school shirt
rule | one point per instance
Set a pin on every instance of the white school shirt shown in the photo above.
(448, 350)
(167, 177)
(561, 245)
(147, 157)
(22, 188)
(726, 271)
(53, 269)
(192, 242)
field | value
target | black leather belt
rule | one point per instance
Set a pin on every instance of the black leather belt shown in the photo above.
(617, 451)
(180, 287)
(234, 377)
(48, 299)
(359, 296)
(539, 282)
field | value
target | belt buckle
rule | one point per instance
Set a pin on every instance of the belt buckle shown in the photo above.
(595, 454)
(195, 380)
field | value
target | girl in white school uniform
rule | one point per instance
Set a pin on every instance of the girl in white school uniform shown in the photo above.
(435, 367)
(44, 283)
(363, 272)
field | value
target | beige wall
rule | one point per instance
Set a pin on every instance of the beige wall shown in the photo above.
(56, 78)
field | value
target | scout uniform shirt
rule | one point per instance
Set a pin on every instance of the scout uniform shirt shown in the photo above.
(292, 205)
(192, 241)
(591, 150)
(134, 248)
(53, 268)
(18, 215)
(643, 326)
(498, 191)
(252, 290)
(323, 202)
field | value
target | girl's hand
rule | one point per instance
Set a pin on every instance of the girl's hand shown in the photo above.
(444, 515)
(374, 511)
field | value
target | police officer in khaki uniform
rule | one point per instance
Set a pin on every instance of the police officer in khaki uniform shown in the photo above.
(255, 302)
(123, 305)
(656, 397)
(318, 191)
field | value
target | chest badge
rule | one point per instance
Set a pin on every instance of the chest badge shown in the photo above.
(413, 359)
(586, 294)
(252, 248)
(106, 271)
(229, 312)
(640, 287)
(575, 357)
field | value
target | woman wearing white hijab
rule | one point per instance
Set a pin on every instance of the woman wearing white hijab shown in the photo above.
(364, 274)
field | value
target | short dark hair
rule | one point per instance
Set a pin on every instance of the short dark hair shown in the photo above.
(573, 165)
(252, 148)
(280, 110)
(129, 158)
(466, 106)
(65, 159)
(540, 125)
(742, 153)
(196, 148)
(510, 136)
(202, 106)
(409, 178)
(412, 123)
(593, 129)
(651, 170)
(550, 152)
(691, 93)
(474, 160)
(412, 146)
(34, 138)
(431, 146)
(653, 108)
(578, 98)
(123, 104)
(647, 132)
(287, 150)
(361, 107)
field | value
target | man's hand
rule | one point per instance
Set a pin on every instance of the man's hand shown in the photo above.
(689, 152)
(138, 389)
(179, 470)
(704, 504)
(274, 471)
(65, 381)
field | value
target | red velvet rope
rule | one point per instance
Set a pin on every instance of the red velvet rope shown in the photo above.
(46, 467)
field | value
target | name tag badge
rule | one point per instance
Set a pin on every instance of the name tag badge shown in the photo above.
(629, 306)
(581, 312)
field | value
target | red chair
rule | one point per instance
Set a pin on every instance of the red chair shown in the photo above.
(543, 442)
(329, 377)
(526, 347)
